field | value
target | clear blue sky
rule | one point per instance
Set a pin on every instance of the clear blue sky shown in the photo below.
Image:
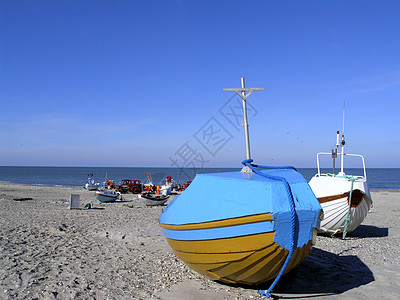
(135, 83)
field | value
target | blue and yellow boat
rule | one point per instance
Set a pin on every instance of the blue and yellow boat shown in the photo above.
(244, 227)
(239, 229)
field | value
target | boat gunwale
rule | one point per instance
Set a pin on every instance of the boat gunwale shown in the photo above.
(355, 202)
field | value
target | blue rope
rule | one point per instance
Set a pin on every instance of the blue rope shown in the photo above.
(293, 217)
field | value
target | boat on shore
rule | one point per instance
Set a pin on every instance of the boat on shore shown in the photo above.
(239, 232)
(91, 185)
(106, 196)
(345, 199)
(245, 227)
(152, 199)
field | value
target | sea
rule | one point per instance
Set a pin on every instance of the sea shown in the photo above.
(378, 179)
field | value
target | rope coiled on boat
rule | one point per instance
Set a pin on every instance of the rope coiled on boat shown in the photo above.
(293, 217)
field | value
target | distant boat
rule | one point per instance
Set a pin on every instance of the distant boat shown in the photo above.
(334, 191)
(148, 185)
(107, 195)
(244, 227)
(91, 185)
(152, 199)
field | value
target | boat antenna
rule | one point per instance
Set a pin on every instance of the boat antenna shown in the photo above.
(242, 94)
(344, 111)
(342, 143)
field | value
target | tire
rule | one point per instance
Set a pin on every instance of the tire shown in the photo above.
(136, 189)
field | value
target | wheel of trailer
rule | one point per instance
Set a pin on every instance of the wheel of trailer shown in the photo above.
(135, 189)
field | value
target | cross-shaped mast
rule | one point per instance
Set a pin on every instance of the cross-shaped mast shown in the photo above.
(242, 94)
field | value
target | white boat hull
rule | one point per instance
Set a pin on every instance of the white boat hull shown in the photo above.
(333, 194)
(107, 196)
(92, 186)
(153, 199)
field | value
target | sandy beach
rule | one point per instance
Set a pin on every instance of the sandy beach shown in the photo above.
(117, 251)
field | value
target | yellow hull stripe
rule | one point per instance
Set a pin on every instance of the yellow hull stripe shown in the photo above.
(221, 223)
(235, 245)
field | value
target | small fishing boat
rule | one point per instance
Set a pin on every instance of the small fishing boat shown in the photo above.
(244, 227)
(152, 199)
(91, 185)
(107, 195)
(345, 199)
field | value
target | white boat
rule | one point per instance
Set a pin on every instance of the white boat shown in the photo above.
(107, 195)
(151, 199)
(345, 199)
(91, 185)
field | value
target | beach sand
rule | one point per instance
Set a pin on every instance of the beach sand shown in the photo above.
(117, 251)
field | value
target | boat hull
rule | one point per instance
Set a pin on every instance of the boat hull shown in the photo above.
(92, 187)
(106, 196)
(153, 200)
(333, 193)
(236, 227)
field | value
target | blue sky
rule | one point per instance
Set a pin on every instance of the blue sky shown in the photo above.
(140, 83)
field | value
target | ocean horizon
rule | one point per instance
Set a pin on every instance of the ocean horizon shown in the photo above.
(378, 178)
